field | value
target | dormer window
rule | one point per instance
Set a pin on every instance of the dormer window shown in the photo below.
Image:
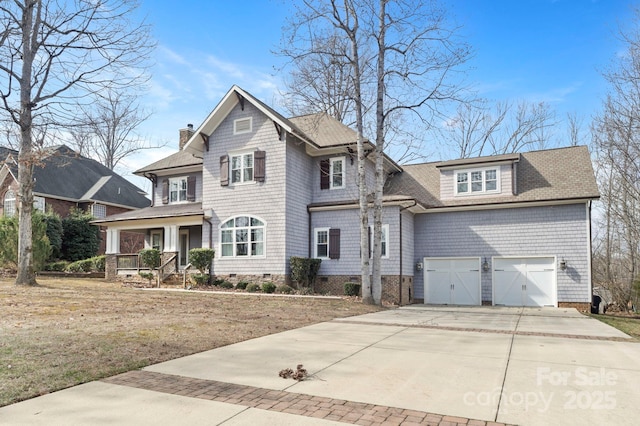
(477, 181)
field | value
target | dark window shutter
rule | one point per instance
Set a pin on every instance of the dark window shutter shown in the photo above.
(259, 166)
(324, 174)
(191, 188)
(224, 170)
(165, 191)
(369, 239)
(334, 243)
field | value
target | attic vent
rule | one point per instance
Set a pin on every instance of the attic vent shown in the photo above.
(242, 125)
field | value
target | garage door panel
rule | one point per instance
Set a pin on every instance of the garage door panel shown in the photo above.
(524, 281)
(439, 286)
(509, 291)
(452, 281)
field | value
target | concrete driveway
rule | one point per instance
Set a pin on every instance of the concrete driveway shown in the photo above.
(417, 364)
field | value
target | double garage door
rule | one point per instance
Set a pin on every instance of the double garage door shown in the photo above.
(526, 281)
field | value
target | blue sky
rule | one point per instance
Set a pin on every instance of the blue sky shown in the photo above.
(534, 50)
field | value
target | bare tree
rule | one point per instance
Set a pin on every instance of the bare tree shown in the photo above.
(478, 129)
(616, 135)
(109, 134)
(407, 54)
(53, 56)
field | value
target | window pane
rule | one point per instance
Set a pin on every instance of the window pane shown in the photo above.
(248, 160)
(384, 248)
(462, 187)
(227, 236)
(322, 237)
(248, 175)
(256, 235)
(337, 181)
(490, 174)
(476, 186)
(462, 177)
(228, 224)
(227, 249)
(257, 249)
(476, 176)
(241, 249)
(242, 221)
(236, 162)
(242, 235)
(491, 185)
(256, 222)
(322, 250)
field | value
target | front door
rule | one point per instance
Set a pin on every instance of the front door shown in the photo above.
(183, 249)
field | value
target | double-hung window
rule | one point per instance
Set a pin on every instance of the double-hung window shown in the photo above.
(336, 173)
(242, 236)
(242, 168)
(384, 241)
(178, 190)
(478, 181)
(326, 243)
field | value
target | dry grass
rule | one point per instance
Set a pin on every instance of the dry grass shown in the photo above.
(71, 331)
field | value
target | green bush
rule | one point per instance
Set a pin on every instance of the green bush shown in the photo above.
(99, 263)
(268, 287)
(146, 275)
(201, 258)
(284, 289)
(304, 270)
(58, 266)
(150, 258)
(9, 241)
(352, 289)
(85, 265)
(242, 285)
(201, 279)
(55, 233)
(253, 288)
(81, 239)
(226, 284)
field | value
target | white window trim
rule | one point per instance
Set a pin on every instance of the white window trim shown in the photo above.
(40, 204)
(14, 201)
(235, 125)
(468, 172)
(249, 255)
(159, 234)
(253, 162)
(331, 162)
(94, 208)
(315, 242)
(186, 189)
(385, 231)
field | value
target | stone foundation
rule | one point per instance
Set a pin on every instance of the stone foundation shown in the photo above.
(391, 288)
(277, 279)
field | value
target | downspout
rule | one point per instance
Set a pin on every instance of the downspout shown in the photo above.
(401, 258)
(309, 233)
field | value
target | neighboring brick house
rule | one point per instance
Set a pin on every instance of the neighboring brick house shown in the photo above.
(65, 180)
(259, 188)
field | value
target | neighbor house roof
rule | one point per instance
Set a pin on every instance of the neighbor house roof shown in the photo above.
(542, 176)
(62, 173)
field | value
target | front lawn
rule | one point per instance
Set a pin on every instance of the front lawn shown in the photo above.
(626, 324)
(70, 331)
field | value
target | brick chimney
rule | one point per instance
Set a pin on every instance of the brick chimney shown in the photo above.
(185, 135)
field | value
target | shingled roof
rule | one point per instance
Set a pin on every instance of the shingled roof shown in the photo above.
(542, 176)
(179, 159)
(65, 174)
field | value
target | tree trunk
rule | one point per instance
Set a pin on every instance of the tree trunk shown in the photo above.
(26, 274)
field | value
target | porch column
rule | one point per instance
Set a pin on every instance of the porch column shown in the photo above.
(113, 241)
(171, 238)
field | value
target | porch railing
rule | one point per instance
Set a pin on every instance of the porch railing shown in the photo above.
(167, 268)
(128, 261)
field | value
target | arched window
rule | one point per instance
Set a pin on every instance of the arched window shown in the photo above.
(9, 203)
(242, 236)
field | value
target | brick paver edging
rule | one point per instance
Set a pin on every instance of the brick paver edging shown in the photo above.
(286, 402)
(486, 330)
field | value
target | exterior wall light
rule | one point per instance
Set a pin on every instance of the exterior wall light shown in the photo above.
(563, 264)
(485, 265)
(419, 266)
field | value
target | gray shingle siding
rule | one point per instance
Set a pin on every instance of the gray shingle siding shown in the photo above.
(264, 200)
(298, 195)
(560, 231)
(348, 221)
(350, 192)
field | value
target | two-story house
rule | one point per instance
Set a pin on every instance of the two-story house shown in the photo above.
(65, 180)
(259, 188)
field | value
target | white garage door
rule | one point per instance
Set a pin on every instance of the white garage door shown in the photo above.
(529, 281)
(452, 281)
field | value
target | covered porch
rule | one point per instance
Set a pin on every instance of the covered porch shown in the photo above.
(173, 230)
